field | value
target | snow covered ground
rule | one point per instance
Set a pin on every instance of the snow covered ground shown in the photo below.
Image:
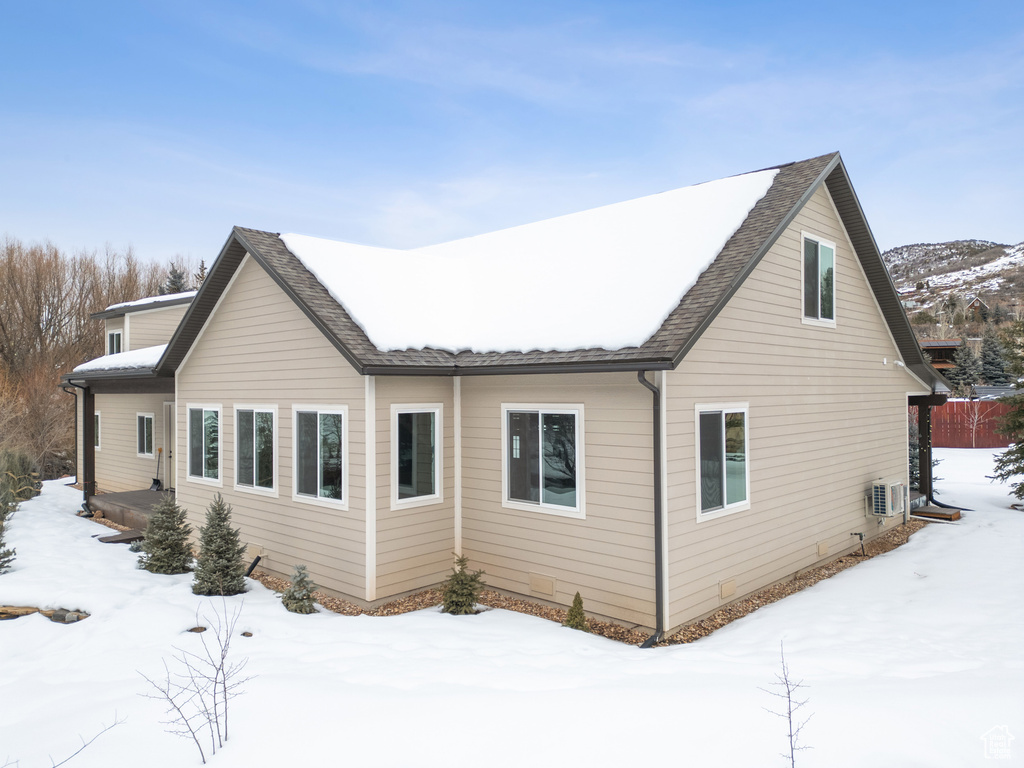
(910, 660)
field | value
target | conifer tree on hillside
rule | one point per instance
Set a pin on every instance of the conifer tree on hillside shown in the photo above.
(1010, 463)
(966, 371)
(220, 568)
(993, 366)
(166, 547)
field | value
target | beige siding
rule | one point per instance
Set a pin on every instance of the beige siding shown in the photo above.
(153, 326)
(414, 544)
(118, 465)
(608, 556)
(825, 418)
(259, 349)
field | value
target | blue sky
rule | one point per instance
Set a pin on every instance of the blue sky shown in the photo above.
(401, 124)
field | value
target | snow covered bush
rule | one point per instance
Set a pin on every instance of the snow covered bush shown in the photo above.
(7, 507)
(166, 547)
(220, 569)
(576, 618)
(462, 589)
(298, 598)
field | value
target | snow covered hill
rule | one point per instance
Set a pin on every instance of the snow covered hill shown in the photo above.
(930, 272)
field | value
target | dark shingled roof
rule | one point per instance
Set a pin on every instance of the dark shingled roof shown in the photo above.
(793, 185)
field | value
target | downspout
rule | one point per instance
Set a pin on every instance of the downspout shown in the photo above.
(65, 390)
(659, 580)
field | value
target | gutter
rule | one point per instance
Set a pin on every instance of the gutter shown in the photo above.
(659, 574)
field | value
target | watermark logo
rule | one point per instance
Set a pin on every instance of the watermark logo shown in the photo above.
(997, 743)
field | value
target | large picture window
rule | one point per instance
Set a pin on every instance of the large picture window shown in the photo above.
(254, 440)
(320, 448)
(723, 472)
(144, 434)
(819, 280)
(542, 450)
(204, 442)
(415, 454)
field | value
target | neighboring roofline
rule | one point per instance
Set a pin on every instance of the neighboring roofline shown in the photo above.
(108, 373)
(107, 314)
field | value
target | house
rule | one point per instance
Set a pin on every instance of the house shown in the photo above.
(941, 352)
(664, 404)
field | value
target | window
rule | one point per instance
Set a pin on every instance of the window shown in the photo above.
(96, 430)
(204, 442)
(415, 455)
(113, 342)
(819, 280)
(321, 448)
(722, 471)
(541, 449)
(144, 433)
(254, 447)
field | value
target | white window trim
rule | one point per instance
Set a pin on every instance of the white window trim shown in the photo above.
(202, 480)
(152, 429)
(317, 501)
(817, 321)
(254, 489)
(698, 409)
(120, 335)
(580, 512)
(96, 431)
(438, 496)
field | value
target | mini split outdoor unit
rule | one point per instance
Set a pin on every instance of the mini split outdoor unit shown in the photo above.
(886, 498)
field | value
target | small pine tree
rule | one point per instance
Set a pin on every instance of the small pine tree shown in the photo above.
(177, 281)
(200, 274)
(576, 618)
(298, 598)
(166, 547)
(966, 370)
(1010, 463)
(220, 567)
(993, 364)
(462, 589)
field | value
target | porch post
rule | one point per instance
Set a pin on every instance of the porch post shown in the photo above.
(88, 443)
(924, 450)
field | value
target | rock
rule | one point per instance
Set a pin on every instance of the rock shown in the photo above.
(60, 615)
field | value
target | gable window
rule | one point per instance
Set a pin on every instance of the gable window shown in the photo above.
(722, 467)
(415, 455)
(96, 430)
(113, 342)
(204, 442)
(819, 268)
(542, 447)
(320, 452)
(254, 447)
(144, 433)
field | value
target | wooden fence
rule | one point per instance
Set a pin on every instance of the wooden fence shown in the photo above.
(968, 424)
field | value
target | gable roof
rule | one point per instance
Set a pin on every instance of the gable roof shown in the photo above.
(791, 186)
(143, 305)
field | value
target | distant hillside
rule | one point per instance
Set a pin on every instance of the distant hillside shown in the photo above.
(928, 274)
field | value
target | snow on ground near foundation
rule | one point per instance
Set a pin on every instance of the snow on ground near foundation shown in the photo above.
(146, 357)
(910, 658)
(605, 278)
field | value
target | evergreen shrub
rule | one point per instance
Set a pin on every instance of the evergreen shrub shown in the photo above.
(576, 618)
(298, 598)
(166, 548)
(462, 589)
(220, 567)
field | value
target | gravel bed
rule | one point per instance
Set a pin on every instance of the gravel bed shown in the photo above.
(624, 634)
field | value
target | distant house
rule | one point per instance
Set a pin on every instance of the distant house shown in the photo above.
(976, 309)
(941, 352)
(663, 404)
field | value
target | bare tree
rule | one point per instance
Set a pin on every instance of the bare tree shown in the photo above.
(787, 689)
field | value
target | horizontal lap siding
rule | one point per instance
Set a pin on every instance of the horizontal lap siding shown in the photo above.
(118, 465)
(156, 326)
(826, 417)
(260, 349)
(607, 557)
(414, 545)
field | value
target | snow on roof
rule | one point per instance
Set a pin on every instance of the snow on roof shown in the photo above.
(152, 300)
(146, 357)
(604, 278)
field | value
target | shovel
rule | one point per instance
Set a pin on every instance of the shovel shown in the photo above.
(156, 486)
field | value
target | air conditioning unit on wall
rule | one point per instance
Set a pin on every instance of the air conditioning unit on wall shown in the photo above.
(887, 498)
